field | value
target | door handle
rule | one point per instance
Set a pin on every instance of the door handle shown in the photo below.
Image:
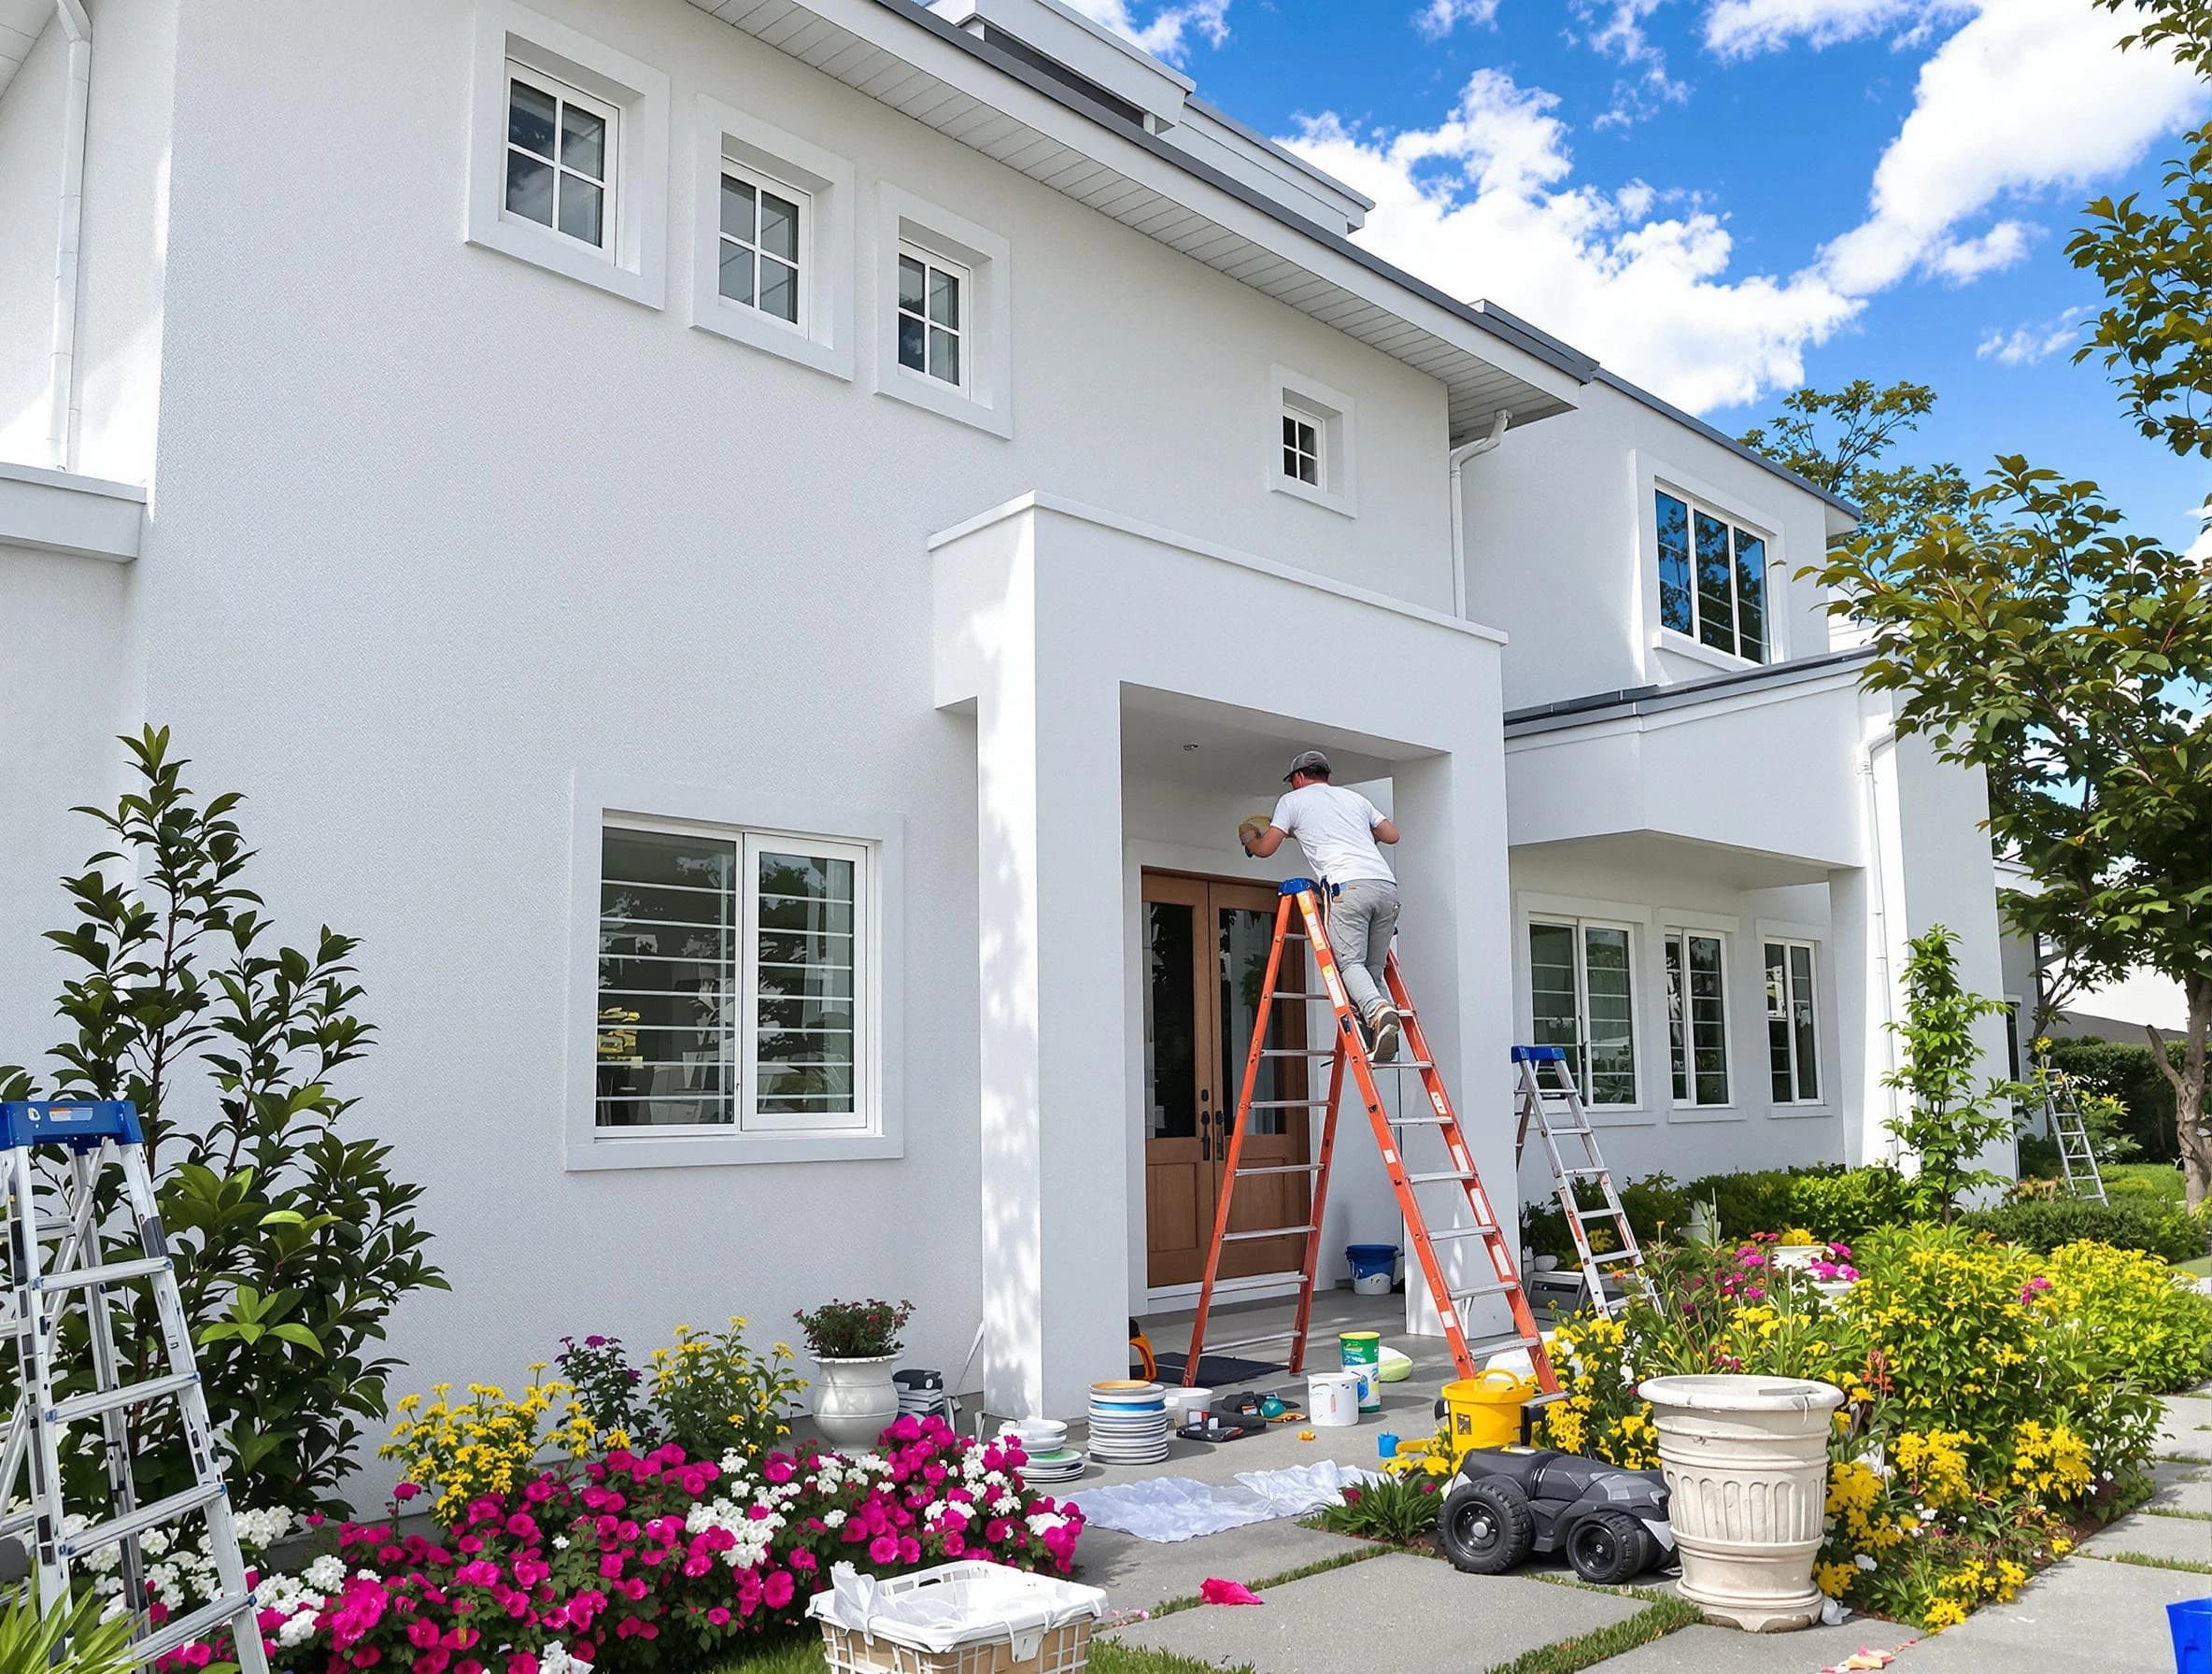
(1205, 1136)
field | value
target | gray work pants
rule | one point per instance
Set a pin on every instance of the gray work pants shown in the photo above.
(1362, 919)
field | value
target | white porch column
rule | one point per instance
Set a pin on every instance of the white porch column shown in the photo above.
(1859, 976)
(1052, 1204)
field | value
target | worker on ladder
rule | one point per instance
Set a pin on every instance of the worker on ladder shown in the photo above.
(1337, 831)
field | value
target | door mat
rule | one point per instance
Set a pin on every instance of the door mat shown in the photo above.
(1218, 1371)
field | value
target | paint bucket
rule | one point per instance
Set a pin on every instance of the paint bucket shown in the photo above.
(1332, 1398)
(1362, 1352)
(1373, 1268)
(1485, 1411)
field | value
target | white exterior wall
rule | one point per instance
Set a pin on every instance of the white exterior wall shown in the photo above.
(29, 213)
(1561, 551)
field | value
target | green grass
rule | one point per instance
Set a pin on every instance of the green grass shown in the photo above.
(2144, 1560)
(1662, 1614)
(802, 1654)
(2198, 1266)
(2176, 1511)
(2161, 1182)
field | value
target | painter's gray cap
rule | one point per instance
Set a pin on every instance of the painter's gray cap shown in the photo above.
(1307, 761)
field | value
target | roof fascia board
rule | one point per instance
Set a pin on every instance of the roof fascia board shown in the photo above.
(1282, 155)
(1161, 163)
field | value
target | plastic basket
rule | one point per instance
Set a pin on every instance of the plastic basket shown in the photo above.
(1003, 1622)
(2191, 1624)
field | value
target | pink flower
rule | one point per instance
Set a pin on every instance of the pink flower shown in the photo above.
(883, 1549)
(403, 1493)
(718, 1616)
(777, 1589)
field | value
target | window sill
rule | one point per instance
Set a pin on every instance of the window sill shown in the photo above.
(902, 383)
(1787, 1113)
(721, 318)
(1681, 644)
(1340, 503)
(1621, 1116)
(685, 1151)
(1706, 1113)
(542, 247)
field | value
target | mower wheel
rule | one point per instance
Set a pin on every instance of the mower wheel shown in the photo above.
(1607, 1547)
(1486, 1527)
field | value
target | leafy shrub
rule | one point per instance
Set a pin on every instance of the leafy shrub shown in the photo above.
(1833, 1203)
(608, 1387)
(853, 1330)
(713, 1393)
(2045, 1224)
(2127, 1071)
(1399, 1509)
(292, 1242)
(2153, 1323)
(71, 1641)
(1846, 1205)
(1947, 1123)
(2039, 1157)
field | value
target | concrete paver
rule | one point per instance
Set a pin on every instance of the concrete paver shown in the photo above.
(1147, 1574)
(1726, 1651)
(1395, 1614)
(2076, 1614)
(2181, 1487)
(2185, 1426)
(2188, 1540)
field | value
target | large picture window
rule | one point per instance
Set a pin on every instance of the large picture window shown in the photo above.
(1713, 578)
(1698, 1017)
(732, 976)
(1792, 1029)
(1580, 978)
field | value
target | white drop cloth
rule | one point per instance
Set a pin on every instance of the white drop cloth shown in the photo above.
(1179, 1508)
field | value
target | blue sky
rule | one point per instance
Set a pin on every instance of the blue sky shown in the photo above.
(1723, 198)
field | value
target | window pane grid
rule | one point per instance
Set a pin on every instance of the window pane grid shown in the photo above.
(932, 299)
(1793, 1028)
(1697, 1018)
(1582, 990)
(558, 158)
(1713, 578)
(760, 246)
(1301, 449)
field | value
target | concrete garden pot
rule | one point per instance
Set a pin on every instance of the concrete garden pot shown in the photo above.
(855, 1399)
(1746, 1462)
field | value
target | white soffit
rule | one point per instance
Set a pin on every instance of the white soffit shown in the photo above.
(21, 23)
(991, 110)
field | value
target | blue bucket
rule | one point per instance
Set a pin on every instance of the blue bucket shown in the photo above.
(2191, 1624)
(1369, 1259)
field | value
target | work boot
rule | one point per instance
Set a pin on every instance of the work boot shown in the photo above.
(1384, 1026)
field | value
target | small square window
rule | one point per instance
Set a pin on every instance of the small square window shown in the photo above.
(762, 245)
(932, 295)
(1311, 460)
(1301, 449)
(560, 162)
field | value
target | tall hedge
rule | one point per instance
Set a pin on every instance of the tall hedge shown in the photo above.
(2131, 1075)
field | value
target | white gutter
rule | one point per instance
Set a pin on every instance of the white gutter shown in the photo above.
(62, 423)
(1457, 460)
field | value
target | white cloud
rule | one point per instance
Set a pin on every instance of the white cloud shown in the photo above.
(1615, 29)
(1740, 28)
(1483, 206)
(2027, 345)
(1166, 31)
(2025, 96)
(1440, 18)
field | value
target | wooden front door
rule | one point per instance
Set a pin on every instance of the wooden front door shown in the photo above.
(1206, 952)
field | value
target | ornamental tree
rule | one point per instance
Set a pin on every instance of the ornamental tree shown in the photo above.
(1945, 1124)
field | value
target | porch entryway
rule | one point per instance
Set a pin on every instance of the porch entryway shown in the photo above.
(1205, 953)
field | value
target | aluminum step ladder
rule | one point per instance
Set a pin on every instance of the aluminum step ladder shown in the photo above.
(1300, 906)
(95, 1140)
(2077, 1157)
(1554, 1109)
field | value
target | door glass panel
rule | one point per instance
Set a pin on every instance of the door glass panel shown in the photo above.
(1246, 937)
(1552, 985)
(1612, 1034)
(1170, 1022)
(1709, 1020)
(1801, 1023)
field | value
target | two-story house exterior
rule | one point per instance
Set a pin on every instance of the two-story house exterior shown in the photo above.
(755, 553)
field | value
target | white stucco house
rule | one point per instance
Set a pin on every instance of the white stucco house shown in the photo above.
(757, 553)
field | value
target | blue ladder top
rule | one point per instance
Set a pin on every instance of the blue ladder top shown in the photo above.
(1540, 1054)
(1298, 886)
(80, 1122)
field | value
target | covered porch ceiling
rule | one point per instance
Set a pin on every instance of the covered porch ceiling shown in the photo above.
(1170, 739)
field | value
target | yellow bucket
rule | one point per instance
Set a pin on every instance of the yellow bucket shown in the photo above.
(1485, 1411)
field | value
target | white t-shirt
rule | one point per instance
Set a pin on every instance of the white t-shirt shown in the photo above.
(1336, 832)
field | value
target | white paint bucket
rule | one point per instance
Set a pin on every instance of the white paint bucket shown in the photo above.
(1332, 1397)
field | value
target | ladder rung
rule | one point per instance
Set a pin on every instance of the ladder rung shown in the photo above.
(1489, 1346)
(1325, 998)
(1460, 1175)
(1297, 1051)
(1418, 1121)
(1231, 1238)
(1599, 1171)
(1451, 1233)
(183, 1630)
(144, 1517)
(1497, 1288)
(1282, 1168)
(130, 1395)
(1616, 1256)
(112, 1273)
(1288, 1105)
(1606, 1214)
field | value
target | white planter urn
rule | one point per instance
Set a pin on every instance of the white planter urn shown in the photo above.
(1746, 1462)
(855, 1399)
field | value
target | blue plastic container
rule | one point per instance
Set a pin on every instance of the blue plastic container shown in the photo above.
(2191, 1624)
(1375, 1263)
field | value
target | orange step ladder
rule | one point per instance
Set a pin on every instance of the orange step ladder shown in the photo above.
(1300, 903)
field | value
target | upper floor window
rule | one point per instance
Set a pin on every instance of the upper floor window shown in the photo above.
(1713, 578)
(1792, 1029)
(1309, 441)
(931, 295)
(1580, 979)
(760, 243)
(560, 154)
(1302, 447)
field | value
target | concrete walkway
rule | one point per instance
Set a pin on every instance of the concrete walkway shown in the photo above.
(1399, 1613)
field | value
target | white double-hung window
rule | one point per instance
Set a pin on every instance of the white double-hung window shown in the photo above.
(733, 982)
(1581, 991)
(932, 321)
(560, 156)
(1793, 1026)
(1698, 1017)
(760, 243)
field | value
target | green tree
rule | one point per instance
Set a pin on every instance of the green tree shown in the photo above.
(1946, 1126)
(292, 1242)
(1841, 440)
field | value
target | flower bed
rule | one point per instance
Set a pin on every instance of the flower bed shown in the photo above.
(1995, 1401)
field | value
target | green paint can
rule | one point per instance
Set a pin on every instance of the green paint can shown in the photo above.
(1362, 1353)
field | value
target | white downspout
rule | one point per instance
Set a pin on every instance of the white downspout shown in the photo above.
(1457, 458)
(63, 413)
(1884, 738)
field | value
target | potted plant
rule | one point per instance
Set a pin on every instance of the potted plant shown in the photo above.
(855, 1344)
(1746, 1462)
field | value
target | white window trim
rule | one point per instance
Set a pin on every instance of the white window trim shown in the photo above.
(960, 272)
(1796, 936)
(1611, 915)
(1335, 418)
(736, 812)
(985, 397)
(1650, 474)
(636, 208)
(1690, 1108)
(823, 339)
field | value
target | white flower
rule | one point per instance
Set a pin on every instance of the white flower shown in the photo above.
(1863, 1561)
(560, 1542)
(326, 1574)
(555, 1659)
(1043, 1523)
(832, 1518)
